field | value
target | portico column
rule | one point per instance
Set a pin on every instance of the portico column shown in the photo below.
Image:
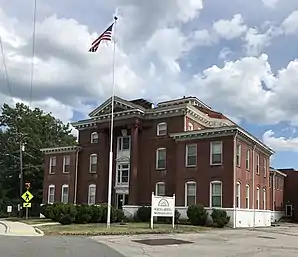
(133, 176)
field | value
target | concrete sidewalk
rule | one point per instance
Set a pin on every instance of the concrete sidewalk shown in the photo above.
(18, 229)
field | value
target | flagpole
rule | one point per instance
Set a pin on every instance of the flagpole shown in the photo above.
(111, 135)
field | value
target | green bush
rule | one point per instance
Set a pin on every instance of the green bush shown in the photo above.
(84, 214)
(220, 218)
(68, 214)
(197, 215)
(168, 220)
(143, 214)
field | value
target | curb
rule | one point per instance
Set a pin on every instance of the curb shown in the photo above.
(7, 228)
(37, 230)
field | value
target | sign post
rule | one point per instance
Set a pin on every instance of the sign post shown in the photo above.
(162, 206)
(27, 197)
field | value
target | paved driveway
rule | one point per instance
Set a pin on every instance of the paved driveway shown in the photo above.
(280, 241)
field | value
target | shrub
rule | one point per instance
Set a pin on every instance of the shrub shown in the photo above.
(168, 220)
(84, 214)
(197, 215)
(220, 218)
(143, 214)
(68, 214)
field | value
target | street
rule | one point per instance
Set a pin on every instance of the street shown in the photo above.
(53, 246)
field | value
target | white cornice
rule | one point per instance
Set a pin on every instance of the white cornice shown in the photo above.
(277, 171)
(64, 149)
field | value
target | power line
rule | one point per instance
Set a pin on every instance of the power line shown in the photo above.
(5, 69)
(33, 52)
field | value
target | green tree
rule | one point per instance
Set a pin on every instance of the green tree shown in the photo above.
(37, 130)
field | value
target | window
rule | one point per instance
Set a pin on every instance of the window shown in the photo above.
(91, 194)
(52, 168)
(190, 193)
(93, 163)
(247, 197)
(216, 194)
(123, 174)
(238, 155)
(216, 153)
(190, 126)
(258, 164)
(160, 189)
(264, 199)
(161, 158)
(238, 193)
(258, 198)
(247, 159)
(64, 194)
(51, 194)
(270, 180)
(191, 155)
(124, 143)
(265, 167)
(162, 129)
(94, 138)
(66, 164)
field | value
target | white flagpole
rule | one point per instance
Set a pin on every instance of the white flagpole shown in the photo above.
(111, 135)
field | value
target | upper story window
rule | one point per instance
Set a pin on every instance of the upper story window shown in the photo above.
(270, 180)
(91, 194)
(265, 167)
(94, 138)
(216, 153)
(161, 156)
(66, 164)
(160, 189)
(123, 143)
(247, 159)
(51, 194)
(93, 163)
(123, 173)
(258, 164)
(64, 194)
(52, 166)
(191, 155)
(238, 155)
(216, 194)
(190, 126)
(190, 193)
(161, 129)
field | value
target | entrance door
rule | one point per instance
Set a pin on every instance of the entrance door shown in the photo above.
(289, 210)
(122, 199)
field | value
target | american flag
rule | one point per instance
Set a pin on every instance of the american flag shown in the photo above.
(106, 35)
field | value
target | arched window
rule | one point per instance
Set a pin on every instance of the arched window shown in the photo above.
(93, 163)
(190, 193)
(51, 194)
(247, 197)
(238, 195)
(160, 189)
(64, 194)
(94, 138)
(216, 194)
(161, 129)
(92, 194)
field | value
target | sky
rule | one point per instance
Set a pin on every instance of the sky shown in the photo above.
(237, 56)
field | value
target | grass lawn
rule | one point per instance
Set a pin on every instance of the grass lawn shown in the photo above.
(30, 221)
(117, 229)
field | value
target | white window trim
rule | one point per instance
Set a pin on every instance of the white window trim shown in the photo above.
(258, 198)
(211, 147)
(90, 162)
(238, 147)
(238, 194)
(210, 200)
(264, 199)
(158, 128)
(247, 159)
(51, 186)
(156, 164)
(190, 126)
(121, 169)
(157, 185)
(119, 139)
(247, 192)
(64, 161)
(185, 191)
(91, 186)
(64, 186)
(186, 155)
(265, 167)
(92, 137)
(258, 164)
(50, 164)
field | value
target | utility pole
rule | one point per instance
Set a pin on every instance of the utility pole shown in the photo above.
(21, 176)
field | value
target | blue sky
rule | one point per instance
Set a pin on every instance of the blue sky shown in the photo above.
(237, 56)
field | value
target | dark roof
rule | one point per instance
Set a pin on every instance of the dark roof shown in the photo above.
(142, 102)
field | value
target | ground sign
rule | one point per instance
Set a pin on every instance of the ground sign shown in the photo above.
(162, 206)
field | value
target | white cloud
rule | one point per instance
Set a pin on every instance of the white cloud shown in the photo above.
(290, 24)
(270, 3)
(225, 53)
(280, 143)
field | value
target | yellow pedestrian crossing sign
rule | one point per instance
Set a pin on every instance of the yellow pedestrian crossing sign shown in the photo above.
(27, 205)
(27, 196)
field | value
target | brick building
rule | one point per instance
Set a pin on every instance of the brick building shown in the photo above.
(180, 147)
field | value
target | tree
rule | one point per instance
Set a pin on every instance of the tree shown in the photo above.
(37, 130)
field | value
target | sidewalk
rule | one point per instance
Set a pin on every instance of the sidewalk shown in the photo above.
(17, 229)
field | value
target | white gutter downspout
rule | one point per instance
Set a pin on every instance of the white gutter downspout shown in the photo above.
(76, 177)
(273, 187)
(235, 178)
(253, 185)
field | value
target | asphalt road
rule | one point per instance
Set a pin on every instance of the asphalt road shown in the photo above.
(54, 246)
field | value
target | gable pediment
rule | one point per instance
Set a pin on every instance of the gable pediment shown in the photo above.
(119, 105)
